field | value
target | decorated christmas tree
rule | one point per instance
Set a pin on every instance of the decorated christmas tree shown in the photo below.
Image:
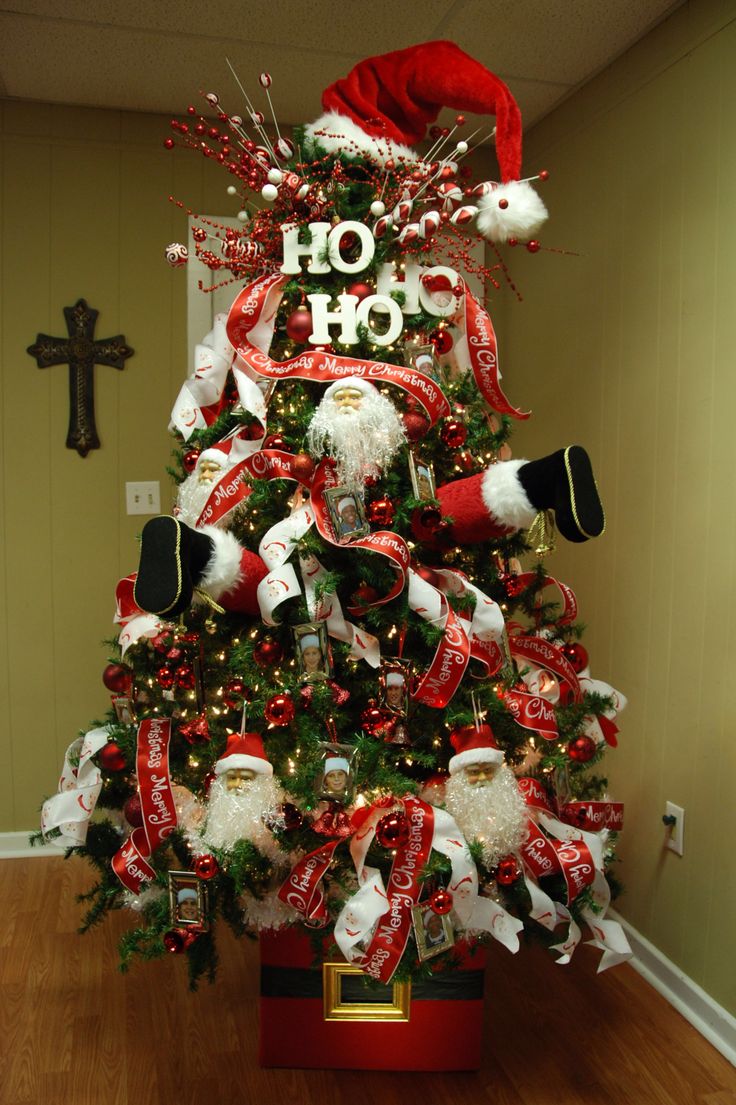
(339, 702)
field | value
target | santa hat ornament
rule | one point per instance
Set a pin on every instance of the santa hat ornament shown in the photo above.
(385, 103)
(474, 744)
(244, 750)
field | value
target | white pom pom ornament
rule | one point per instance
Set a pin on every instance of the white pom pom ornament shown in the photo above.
(269, 192)
(512, 210)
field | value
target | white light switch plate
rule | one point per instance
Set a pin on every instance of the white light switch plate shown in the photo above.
(143, 498)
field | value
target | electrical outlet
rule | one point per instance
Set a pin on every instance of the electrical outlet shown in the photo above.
(676, 833)
(143, 498)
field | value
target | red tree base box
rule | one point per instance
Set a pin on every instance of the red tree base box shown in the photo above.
(326, 1018)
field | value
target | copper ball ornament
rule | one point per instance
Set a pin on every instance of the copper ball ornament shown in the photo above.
(392, 831)
(581, 749)
(302, 467)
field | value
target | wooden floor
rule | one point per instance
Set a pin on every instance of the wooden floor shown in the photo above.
(74, 1031)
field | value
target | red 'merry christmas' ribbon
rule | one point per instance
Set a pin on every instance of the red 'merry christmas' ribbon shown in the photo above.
(130, 863)
(302, 890)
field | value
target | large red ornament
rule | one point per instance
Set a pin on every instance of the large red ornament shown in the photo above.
(177, 941)
(416, 425)
(581, 749)
(381, 512)
(577, 656)
(117, 678)
(454, 433)
(440, 901)
(361, 290)
(133, 811)
(206, 867)
(111, 757)
(507, 871)
(165, 678)
(299, 325)
(302, 466)
(392, 831)
(275, 441)
(267, 651)
(279, 710)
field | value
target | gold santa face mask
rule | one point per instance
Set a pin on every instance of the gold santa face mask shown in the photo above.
(237, 778)
(348, 398)
(480, 775)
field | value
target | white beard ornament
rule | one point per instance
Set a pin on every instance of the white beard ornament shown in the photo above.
(359, 428)
(212, 464)
(482, 794)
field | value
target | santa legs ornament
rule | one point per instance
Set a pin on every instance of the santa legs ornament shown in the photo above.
(176, 560)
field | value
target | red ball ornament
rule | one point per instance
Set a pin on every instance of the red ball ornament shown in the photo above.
(279, 710)
(381, 512)
(185, 677)
(199, 234)
(117, 678)
(165, 678)
(507, 871)
(206, 867)
(442, 341)
(364, 594)
(302, 466)
(361, 290)
(453, 433)
(189, 460)
(267, 652)
(430, 517)
(275, 441)
(175, 653)
(299, 325)
(168, 143)
(372, 719)
(177, 941)
(577, 656)
(543, 174)
(392, 831)
(133, 811)
(513, 586)
(440, 901)
(534, 246)
(111, 757)
(415, 424)
(234, 692)
(581, 749)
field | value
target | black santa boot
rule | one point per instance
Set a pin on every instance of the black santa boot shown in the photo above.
(564, 482)
(173, 560)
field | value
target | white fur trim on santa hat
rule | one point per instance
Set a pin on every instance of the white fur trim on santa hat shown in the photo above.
(338, 134)
(504, 495)
(521, 218)
(336, 763)
(219, 456)
(238, 760)
(357, 383)
(223, 567)
(475, 756)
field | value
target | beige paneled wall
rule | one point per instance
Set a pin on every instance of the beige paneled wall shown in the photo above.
(629, 349)
(85, 213)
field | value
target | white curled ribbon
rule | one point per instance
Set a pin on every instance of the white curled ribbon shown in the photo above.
(79, 788)
(200, 393)
(327, 608)
(362, 912)
(281, 583)
(427, 600)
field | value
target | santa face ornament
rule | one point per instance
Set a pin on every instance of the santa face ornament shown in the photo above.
(359, 428)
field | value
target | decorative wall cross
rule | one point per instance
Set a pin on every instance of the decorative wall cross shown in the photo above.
(81, 352)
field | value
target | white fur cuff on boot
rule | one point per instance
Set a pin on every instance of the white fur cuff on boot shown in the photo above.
(223, 568)
(504, 495)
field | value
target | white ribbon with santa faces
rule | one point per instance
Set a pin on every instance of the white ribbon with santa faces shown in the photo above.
(362, 912)
(79, 788)
(200, 394)
(281, 582)
(327, 608)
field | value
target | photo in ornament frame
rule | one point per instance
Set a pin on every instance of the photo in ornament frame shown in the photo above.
(124, 709)
(335, 781)
(433, 932)
(394, 681)
(421, 474)
(347, 514)
(313, 657)
(187, 900)
(423, 358)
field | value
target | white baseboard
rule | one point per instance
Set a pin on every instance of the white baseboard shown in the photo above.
(16, 846)
(696, 1006)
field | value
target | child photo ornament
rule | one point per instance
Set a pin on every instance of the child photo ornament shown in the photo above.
(312, 651)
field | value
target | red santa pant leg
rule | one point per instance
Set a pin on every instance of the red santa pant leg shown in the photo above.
(487, 505)
(233, 573)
